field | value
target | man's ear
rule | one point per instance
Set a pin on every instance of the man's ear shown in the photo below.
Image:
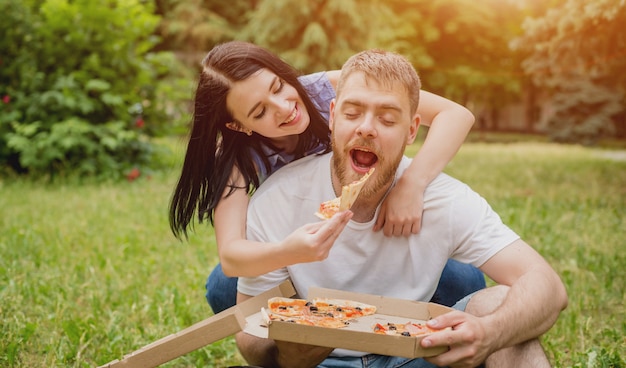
(415, 124)
(331, 116)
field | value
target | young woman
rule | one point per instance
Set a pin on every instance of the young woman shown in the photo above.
(254, 114)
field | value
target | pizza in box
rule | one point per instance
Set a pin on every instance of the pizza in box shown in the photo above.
(335, 313)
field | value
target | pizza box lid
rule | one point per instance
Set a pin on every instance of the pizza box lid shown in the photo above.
(358, 335)
(212, 329)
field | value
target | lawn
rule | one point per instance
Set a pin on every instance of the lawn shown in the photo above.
(90, 271)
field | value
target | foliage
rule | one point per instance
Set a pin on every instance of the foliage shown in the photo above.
(461, 47)
(577, 51)
(84, 90)
(193, 25)
(312, 35)
(102, 276)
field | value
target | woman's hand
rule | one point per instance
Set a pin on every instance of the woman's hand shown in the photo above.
(401, 212)
(312, 242)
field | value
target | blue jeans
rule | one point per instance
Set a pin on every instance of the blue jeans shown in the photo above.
(374, 361)
(457, 280)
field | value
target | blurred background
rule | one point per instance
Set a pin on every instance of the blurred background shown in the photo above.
(95, 104)
(85, 85)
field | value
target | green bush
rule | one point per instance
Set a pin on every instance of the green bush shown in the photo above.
(81, 89)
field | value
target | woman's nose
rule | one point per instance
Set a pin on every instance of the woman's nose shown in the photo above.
(281, 108)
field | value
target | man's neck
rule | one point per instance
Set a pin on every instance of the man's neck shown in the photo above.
(364, 208)
(364, 212)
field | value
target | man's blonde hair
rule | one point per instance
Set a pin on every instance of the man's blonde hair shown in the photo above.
(386, 68)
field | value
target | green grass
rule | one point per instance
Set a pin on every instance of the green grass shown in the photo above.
(90, 272)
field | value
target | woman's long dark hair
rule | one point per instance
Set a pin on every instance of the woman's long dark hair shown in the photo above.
(213, 149)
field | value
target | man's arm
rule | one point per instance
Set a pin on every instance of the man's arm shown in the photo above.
(270, 353)
(536, 298)
(532, 304)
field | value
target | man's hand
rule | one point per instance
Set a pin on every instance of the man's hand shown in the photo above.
(312, 242)
(468, 341)
(401, 211)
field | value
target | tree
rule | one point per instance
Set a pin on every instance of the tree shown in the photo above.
(459, 47)
(577, 51)
(312, 35)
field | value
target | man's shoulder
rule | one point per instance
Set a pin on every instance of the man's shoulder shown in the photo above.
(442, 184)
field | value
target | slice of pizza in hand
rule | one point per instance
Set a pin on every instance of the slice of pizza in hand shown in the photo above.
(349, 194)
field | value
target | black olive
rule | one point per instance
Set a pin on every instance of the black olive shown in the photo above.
(405, 333)
(313, 308)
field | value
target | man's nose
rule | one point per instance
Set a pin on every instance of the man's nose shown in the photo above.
(367, 127)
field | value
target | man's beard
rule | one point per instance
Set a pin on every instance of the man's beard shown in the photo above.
(385, 169)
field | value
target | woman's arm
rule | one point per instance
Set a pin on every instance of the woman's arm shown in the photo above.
(242, 257)
(401, 212)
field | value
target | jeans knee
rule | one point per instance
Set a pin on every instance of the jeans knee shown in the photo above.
(487, 300)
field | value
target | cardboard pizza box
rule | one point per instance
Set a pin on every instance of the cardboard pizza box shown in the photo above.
(247, 317)
(358, 334)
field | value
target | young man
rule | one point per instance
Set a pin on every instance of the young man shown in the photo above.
(372, 119)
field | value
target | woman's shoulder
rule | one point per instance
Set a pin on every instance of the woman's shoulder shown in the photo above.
(317, 83)
(305, 170)
(320, 91)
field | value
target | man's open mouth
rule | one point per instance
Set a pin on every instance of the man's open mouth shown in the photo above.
(363, 158)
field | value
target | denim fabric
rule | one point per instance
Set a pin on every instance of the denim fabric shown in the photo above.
(374, 361)
(457, 280)
(221, 290)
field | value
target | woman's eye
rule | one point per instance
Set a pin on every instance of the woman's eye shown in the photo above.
(281, 84)
(260, 114)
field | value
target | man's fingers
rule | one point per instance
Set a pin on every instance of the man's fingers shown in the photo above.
(450, 319)
(380, 220)
(447, 324)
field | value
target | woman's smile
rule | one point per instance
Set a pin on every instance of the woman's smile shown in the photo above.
(293, 118)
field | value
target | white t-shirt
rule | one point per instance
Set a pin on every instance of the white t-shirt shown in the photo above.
(457, 223)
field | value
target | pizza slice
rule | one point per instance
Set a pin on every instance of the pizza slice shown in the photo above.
(321, 312)
(341, 308)
(349, 194)
(308, 319)
(288, 307)
(403, 329)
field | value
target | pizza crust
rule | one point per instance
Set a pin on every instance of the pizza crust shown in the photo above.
(349, 194)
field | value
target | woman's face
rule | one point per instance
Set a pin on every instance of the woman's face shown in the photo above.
(267, 105)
